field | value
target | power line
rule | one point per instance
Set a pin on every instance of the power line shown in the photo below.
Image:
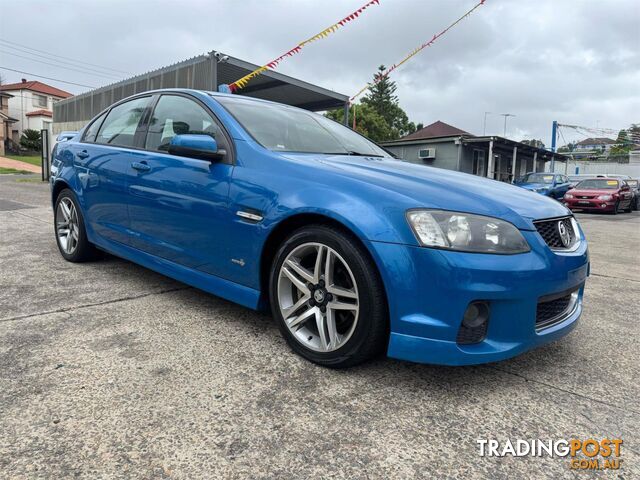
(61, 56)
(48, 78)
(110, 77)
(64, 62)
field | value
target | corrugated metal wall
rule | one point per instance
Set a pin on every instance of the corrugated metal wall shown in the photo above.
(195, 73)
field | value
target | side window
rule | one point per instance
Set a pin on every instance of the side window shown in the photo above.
(92, 131)
(120, 126)
(175, 115)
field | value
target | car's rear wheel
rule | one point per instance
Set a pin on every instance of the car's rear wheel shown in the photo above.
(327, 297)
(71, 235)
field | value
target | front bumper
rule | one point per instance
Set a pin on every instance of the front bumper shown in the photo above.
(428, 291)
(590, 204)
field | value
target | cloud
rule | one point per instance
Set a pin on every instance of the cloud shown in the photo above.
(542, 60)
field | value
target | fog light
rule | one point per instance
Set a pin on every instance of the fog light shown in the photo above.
(475, 323)
(476, 314)
(603, 205)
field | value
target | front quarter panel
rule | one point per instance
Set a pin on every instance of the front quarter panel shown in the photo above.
(280, 189)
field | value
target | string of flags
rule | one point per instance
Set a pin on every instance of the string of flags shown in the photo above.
(242, 82)
(414, 52)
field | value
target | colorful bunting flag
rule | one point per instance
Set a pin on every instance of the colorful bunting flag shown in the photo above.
(414, 52)
(242, 82)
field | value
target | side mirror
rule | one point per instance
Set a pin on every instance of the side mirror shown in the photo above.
(200, 146)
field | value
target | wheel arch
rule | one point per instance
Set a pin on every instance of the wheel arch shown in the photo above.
(58, 186)
(294, 222)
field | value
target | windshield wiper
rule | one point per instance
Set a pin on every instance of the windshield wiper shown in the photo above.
(354, 153)
(360, 154)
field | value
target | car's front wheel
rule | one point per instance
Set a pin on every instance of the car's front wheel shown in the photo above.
(328, 298)
(71, 236)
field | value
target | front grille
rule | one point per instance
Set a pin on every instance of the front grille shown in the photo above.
(550, 232)
(468, 335)
(554, 309)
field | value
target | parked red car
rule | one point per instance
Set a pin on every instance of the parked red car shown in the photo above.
(600, 194)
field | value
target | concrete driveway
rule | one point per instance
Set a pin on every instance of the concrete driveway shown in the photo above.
(109, 370)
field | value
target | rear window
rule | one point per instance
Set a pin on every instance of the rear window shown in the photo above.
(598, 184)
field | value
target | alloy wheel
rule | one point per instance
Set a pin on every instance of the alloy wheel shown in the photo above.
(67, 227)
(318, 297)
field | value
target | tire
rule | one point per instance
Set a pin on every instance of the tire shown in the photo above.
(616, 207)
(629, 207)
(76, 248)
(360, 330)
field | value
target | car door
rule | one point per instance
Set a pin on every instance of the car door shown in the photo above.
(102, 160)
(558, 187)
(625, 194)
(178, 205)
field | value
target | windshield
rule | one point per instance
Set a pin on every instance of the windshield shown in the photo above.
(598, 184)
(282, 128)
(538, 178)
(633, 183)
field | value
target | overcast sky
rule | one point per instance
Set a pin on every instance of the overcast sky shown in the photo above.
(574, 61)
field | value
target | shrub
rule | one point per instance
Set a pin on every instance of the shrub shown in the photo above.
(31, 140)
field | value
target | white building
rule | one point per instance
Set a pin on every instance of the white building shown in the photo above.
(32, 105)
(595, 144)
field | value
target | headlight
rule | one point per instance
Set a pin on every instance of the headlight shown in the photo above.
(568, 195)
(605, 197)
(465, 232)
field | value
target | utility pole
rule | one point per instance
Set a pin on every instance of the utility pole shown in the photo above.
(506, 115)
(554, 130)
(484, 125)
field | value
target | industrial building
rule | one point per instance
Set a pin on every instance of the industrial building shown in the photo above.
(444, 146)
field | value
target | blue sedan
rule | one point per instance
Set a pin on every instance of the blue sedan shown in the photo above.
(355, 253)
(549, 184)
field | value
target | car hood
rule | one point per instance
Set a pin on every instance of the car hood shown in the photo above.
(422, 186)
(592, 191)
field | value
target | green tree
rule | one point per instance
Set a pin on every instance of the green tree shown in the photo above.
(368, 122)
(381, 97)
(534, 143)
(625, 141)
(379, 116)
(31, 140)
(634, 133)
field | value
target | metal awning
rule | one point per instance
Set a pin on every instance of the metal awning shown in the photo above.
(507, 144)
(274, 86)
(203, 72)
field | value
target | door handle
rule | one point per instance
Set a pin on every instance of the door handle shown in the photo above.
(83, 154)
(141, 167)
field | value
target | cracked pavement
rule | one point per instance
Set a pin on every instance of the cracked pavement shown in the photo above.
(108, 370)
